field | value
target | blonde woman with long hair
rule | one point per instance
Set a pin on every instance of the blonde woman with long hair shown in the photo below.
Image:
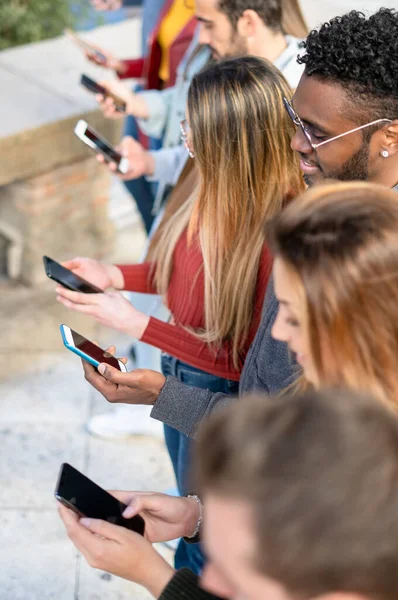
(336, 280)
(210, 261)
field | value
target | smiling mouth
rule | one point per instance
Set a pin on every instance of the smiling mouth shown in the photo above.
(308, 167)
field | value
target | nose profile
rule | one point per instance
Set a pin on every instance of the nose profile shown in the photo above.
(299, 143)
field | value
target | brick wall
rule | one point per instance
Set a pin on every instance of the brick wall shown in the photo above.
(62, 213)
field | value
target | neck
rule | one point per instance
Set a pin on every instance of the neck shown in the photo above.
(269, 45)
(388, 175)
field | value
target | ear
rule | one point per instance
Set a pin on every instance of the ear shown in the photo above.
(389, 138)
(249, 23)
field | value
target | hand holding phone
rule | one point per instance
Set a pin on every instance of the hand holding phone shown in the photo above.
(92, 139)
(67, 278)
(99, 56)
(77, 492)
(96, 88)
(88, 351)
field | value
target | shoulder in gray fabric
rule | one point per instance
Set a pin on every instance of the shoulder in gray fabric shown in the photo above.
(269, 366)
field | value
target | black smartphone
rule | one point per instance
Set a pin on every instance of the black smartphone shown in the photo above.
(68, 279)
(96, 88)
(94, 141)
(75, 491)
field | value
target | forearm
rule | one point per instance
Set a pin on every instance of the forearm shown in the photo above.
(138, 107)
(159, 577)
(138, 278)
(158, 105)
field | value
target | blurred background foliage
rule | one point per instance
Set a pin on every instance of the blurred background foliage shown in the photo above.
(25, 21)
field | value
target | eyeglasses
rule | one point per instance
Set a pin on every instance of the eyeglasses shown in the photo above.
(185, 136)
(299, 123)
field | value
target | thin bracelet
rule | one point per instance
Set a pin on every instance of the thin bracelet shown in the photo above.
(200, 520)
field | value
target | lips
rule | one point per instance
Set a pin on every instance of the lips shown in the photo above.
(308, 167)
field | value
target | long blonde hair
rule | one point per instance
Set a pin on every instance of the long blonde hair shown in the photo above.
(241, 138)
(340, 243)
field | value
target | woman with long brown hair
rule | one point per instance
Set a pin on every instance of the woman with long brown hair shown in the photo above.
(210, 261)
(336, 280)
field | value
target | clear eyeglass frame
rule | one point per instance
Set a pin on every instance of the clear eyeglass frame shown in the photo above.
(185, 135)
(299, 123)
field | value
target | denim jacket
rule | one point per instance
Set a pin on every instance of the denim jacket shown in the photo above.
(167, 107)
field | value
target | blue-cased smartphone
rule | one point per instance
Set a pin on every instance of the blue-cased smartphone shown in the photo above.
(87, 350)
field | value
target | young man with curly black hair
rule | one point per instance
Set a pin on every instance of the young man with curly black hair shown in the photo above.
(346, 104)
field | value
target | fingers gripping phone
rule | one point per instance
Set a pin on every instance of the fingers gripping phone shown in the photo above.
(67, 278)
(75, 491)
(85, 46)
(96, 88)
(91, 138)
(87, 350)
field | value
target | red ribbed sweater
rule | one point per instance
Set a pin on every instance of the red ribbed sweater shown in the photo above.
(185, 299)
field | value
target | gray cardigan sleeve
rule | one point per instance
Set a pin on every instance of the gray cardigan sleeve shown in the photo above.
(183, 406)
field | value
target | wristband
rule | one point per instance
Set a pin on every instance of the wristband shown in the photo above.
(200, 520)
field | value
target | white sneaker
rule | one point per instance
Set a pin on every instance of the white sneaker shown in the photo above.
(125, 421)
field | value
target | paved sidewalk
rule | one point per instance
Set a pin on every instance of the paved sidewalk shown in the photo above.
(45, 403)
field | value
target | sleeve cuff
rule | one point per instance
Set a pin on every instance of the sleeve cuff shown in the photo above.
(185, 586)
(181, 406)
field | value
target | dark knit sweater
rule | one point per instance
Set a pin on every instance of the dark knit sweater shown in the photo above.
(185, 586)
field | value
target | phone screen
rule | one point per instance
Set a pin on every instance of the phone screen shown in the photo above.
(92, 85)
(94, 351)
(67, 278)
(90, 500)
(103, 146)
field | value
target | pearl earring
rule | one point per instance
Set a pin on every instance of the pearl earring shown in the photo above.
(384, 153)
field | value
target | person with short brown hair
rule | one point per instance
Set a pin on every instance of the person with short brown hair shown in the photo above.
(300, 502)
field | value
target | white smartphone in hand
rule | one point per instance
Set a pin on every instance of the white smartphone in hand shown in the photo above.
(87, 350)
(91, 138)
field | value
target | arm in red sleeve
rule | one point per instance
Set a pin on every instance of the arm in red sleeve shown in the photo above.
(139, 278)
(178, 342)
(134, 68)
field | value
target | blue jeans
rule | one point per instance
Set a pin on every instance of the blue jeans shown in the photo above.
(143, 191)
(180, 446)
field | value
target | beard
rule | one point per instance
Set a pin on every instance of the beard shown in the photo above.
(355, 169)
(237, 46)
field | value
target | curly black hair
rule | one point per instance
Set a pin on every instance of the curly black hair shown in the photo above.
(361, 54)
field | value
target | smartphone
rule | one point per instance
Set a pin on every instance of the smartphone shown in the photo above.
(91, 138)
(87, 350)
(96, 88)
(84, 45)
(67, 278)
(77, 492)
